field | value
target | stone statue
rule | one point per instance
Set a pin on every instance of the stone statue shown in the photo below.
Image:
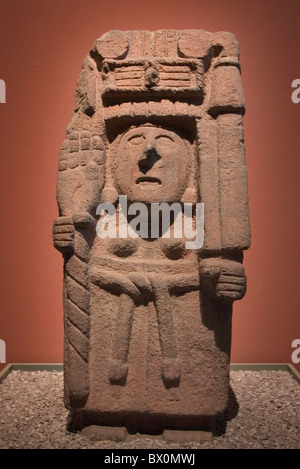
(157, 124)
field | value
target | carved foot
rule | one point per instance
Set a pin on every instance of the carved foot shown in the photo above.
(117, 371)
(101, 433)
(171, 372)
(187, 436)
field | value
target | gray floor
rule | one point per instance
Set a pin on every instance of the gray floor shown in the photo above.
(264, 413)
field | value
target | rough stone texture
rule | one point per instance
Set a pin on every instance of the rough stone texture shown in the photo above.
(158, 118)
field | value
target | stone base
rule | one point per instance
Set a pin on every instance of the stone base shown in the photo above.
(120, 434)
(178, 430)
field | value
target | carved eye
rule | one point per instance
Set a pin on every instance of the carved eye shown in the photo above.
(136, 140)
(164, 140)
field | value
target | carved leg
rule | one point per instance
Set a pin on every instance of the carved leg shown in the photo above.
(118, 368)
(170, 362)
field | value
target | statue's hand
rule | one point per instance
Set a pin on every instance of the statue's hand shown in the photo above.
(223, 278)
(63, 234)
(80, 173)
(64, 230)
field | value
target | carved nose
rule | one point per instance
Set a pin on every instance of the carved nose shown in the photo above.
(148, 159)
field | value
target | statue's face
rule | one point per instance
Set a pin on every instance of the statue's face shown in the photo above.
(151, 165)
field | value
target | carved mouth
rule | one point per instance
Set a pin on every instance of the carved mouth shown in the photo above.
(148, 181)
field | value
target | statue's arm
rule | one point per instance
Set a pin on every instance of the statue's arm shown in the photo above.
(79, 184)
(224, 170)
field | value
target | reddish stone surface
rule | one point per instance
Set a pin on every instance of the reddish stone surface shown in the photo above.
(158, 118)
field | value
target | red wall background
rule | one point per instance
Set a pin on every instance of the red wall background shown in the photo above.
(42, 46)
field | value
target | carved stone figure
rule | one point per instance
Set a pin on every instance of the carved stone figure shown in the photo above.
(157, 121)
